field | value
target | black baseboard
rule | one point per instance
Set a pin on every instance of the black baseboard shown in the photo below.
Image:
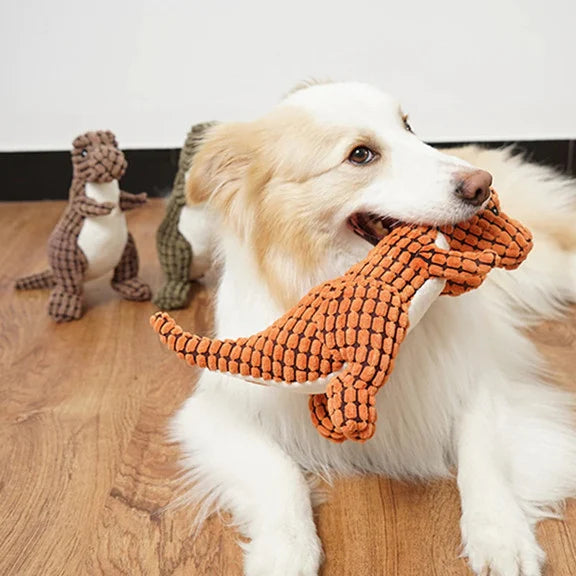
(46, 175)
(559, 154)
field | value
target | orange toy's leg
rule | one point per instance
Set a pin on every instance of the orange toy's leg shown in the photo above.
(348, 409)
(345, 412)
(463, 271)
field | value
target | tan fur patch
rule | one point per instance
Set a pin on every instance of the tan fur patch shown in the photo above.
(563, 231)
(279, 183)
(221, 160)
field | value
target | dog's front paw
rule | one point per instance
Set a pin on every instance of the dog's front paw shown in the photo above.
(282, 554)
(505, 546)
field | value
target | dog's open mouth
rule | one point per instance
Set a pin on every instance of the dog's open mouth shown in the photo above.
(370, 227)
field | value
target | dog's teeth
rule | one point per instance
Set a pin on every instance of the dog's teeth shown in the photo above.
(379, 229)
(372, 227)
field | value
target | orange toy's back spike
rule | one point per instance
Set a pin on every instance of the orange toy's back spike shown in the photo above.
(346, 333)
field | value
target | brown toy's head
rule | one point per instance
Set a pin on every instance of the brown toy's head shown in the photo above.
(97, 158)
(492, 229)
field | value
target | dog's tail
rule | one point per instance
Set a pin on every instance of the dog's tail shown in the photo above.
(35, 281)
(216, 355)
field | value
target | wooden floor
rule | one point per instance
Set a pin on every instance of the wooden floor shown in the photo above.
(86, 471)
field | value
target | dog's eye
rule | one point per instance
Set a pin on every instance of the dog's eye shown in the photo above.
(406, 123)
(495, 210)
(361, 155)
(84, 153)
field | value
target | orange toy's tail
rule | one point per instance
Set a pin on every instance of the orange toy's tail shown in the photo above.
(196, 350)
(271, 355)
(36, 281)
(216, 355)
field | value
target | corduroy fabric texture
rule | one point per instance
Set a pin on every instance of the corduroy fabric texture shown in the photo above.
(174, 251)
(96, 158)
(350, 329)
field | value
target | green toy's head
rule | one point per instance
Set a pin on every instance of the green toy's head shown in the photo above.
(193, 140)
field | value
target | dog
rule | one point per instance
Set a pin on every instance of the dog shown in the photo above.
(288, 194)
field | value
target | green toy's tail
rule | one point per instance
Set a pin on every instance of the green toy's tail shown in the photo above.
(35, 281)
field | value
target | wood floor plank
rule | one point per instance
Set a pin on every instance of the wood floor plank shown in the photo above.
(89, 478)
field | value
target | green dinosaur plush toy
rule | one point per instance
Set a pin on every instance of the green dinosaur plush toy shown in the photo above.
(174, 251)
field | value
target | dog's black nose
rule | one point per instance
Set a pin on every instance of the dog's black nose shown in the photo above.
(474, 187)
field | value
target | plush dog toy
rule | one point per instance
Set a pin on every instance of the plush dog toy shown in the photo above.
(345, 334)
(174, 251)
(91, 238)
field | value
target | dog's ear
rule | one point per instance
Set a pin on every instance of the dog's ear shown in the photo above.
(221, 163)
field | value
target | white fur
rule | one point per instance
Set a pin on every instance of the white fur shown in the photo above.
(467, 388)
(418, 183)
(102, 239)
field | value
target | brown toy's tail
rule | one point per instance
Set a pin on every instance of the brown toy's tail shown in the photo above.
(216, 355)
(36, 281)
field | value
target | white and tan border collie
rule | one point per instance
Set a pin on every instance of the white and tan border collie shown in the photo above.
(467, 389)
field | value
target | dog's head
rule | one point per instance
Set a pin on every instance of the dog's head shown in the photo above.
(326, 173)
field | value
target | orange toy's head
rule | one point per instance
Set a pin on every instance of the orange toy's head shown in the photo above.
(493, 230)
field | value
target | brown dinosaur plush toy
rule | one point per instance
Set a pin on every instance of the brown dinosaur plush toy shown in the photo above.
(345, 334)
(91, 238)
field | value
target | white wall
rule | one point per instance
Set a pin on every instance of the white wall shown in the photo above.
(147, 69)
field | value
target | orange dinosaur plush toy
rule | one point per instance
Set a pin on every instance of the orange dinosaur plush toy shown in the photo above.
(344, 335)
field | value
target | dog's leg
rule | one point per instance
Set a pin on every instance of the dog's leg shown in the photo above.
(497, 533)
(236, 464)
